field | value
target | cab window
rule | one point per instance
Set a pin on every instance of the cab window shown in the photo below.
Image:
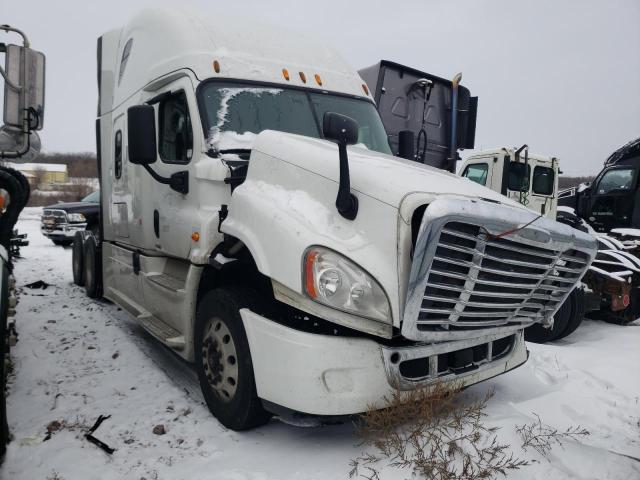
(175, 137)
(543, 180)
(477, 172)
(618, 180)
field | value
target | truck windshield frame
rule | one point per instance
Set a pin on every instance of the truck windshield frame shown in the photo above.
(306, 104)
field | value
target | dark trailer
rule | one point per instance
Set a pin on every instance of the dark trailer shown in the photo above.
(416, 111)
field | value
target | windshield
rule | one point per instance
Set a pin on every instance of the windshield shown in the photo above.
(234, 113)
(92, 197)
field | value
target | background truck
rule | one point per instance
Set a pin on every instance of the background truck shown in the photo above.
(23, 115)
(611, 201)
(254, 220)
(61, 221)
(611, 286)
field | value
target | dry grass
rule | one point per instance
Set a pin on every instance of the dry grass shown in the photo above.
(435, 435)
(542, 438)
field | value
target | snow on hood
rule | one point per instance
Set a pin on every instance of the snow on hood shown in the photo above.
(384, 177)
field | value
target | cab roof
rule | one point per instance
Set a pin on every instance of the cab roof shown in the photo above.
(157, 42)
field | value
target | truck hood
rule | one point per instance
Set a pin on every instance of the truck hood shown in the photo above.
(384, 177)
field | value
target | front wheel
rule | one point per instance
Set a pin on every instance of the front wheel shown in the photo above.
(223, 359)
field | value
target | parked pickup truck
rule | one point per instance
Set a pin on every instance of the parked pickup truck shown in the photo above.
(61, 221)
(255, 221)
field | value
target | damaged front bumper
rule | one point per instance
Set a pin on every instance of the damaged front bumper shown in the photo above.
(337, 375)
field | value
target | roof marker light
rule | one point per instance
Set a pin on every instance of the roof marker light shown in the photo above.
(216, 66)
(285, 74)
(303, 77)
(318, 79)
(365, 89)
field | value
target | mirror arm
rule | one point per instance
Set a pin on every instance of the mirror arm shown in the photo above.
(8, 28)
(178, 181)
(346, 202)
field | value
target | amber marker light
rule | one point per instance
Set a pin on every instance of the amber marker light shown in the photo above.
(195, 236)
(309, 284)
(303, 77)
(285, 74)
(216, 66)
(365, 89)
(318, 79)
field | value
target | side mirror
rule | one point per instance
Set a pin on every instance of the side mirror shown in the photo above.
(24, 69)
(339, 128)
(344, 131)
(141, 134)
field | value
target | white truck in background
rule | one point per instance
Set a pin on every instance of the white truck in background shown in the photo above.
(255, 221)
(529, 179)
(611, 287)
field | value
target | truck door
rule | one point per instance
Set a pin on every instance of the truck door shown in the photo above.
(167, 217)
(120, 200)
(613, 198)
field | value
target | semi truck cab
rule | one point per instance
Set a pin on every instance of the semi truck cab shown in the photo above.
(529, 179)
(254, 220)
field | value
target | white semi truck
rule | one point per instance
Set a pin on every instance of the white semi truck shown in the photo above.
(255, 221)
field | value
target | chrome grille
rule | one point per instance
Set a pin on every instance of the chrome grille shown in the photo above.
(479, 281)
(481, 268)
(59, 216)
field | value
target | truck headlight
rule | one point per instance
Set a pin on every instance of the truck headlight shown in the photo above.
(335, 281)
(76, 217)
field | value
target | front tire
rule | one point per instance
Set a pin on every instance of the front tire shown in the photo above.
(223, 359)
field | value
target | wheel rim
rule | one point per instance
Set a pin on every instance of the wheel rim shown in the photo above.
(220, 359)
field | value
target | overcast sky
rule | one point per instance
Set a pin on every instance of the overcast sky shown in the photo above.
(561, 76)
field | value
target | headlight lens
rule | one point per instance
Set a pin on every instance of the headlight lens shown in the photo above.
(76, 217)
(335, 281)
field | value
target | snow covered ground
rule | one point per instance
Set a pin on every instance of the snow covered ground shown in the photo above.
(77, 359)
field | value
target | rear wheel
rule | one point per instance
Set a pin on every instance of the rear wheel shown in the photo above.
(77, 259)
(223, 359)
(538, 334)
(92, 268)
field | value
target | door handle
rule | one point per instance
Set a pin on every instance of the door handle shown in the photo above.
(156, 223)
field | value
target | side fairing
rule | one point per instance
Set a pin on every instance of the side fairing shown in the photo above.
(282, 209)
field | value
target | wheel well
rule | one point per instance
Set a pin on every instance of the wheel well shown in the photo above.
(242, 271)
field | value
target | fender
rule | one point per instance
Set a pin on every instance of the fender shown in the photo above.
(282, 209)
